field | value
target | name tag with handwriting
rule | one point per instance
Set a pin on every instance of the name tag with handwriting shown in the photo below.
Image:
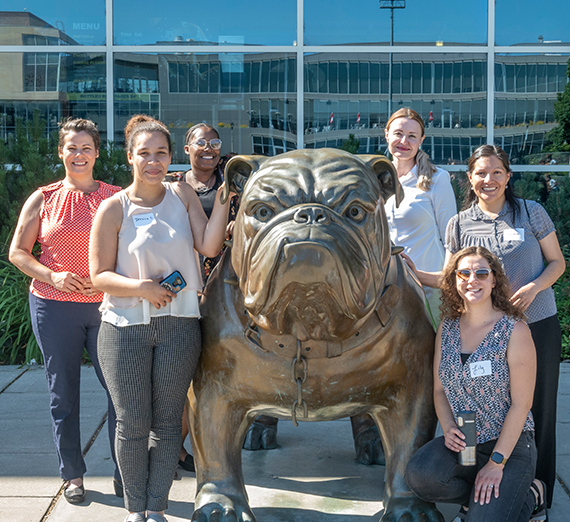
(480, 369)
(513, 234)
(142, 220)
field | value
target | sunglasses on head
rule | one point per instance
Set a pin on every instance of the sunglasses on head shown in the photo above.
(215, 143)
(481, 273)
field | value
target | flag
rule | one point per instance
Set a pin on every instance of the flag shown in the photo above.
(430, 115)
(358, 118)
(331, 120)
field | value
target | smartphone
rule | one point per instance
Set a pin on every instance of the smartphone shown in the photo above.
(174, 282)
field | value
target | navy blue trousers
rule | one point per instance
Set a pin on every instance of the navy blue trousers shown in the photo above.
(63, 329)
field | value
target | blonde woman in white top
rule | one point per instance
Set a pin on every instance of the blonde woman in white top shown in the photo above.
(150, 340)
(419, 223)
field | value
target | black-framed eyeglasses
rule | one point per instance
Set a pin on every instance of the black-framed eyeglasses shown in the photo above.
(480, 273)
(215, 143)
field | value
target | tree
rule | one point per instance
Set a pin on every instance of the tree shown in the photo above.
(351, 144)
(559, 137)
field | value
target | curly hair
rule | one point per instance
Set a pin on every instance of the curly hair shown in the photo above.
(144, 124)
(452, 305)
(75, 126)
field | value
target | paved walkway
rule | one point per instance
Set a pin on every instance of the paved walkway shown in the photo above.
(311, 477)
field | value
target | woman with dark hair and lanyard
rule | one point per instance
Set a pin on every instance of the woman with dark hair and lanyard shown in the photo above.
(521, 234)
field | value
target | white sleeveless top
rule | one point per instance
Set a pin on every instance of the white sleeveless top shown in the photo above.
(153, 243)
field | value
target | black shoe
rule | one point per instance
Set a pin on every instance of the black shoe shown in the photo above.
(118, 486)
(187, 464)
(75, 495)
(540, 512)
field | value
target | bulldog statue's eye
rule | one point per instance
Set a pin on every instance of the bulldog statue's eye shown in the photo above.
(355, 212)
(263, 213)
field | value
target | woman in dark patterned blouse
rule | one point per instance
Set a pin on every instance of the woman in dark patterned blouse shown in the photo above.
(484, 362)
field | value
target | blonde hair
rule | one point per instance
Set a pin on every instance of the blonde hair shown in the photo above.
(425, 166)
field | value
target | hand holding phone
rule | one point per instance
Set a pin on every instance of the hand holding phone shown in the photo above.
(174, 282)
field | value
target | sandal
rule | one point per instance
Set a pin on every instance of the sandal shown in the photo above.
(540, 512)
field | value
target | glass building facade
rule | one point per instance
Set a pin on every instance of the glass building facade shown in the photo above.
(276, 76)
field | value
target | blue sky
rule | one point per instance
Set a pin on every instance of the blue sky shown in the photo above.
(327, 22)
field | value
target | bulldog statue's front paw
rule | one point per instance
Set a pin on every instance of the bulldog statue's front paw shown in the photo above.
(262, 434)
(411, 510)
(213, 506)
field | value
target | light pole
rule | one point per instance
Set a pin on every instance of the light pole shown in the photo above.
(391, 4)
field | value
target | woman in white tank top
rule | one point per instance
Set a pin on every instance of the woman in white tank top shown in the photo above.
(150, 341)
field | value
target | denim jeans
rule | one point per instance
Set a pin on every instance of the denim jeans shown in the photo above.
(434, 475)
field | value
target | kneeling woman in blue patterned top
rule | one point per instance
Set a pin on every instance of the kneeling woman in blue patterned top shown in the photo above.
(484, 362)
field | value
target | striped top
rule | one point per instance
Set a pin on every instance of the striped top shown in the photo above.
(65, 226)
(482, 384)
(514, 242)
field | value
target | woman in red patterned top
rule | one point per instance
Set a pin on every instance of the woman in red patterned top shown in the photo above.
(64, 305)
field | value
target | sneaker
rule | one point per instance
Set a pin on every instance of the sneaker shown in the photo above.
(155, 517)
(135, 517)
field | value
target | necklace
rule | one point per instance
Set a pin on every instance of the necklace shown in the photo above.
(199, 186)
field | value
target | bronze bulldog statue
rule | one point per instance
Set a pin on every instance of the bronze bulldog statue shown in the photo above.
(311, 319)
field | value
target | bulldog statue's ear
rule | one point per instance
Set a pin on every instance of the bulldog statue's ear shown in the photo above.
(237, 172)
(387, 176)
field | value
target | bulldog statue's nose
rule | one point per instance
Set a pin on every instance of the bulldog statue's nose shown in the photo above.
(311, 216)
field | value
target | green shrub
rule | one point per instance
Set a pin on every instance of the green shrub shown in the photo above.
(17, 341)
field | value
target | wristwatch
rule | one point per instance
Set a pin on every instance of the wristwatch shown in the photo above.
(498, 458)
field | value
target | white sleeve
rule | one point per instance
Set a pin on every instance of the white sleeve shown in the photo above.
(443, 199)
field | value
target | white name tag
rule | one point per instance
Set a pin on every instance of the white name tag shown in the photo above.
(513, 234)
(480, 369)
(142, 220)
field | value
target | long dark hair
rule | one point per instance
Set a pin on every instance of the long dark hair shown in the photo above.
(487, 151)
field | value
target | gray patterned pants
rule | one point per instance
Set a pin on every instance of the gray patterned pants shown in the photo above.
(148, 369)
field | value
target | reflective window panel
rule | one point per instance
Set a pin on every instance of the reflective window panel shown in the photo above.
(52, 22)
(225, 22)
(439, 22)
(528, 22)
(526, 89)
(249, 98)
(349, 94)
(58, 85)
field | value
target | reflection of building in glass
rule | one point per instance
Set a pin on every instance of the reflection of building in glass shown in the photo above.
(259, 104)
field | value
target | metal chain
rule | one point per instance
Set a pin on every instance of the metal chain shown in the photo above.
(299, 370)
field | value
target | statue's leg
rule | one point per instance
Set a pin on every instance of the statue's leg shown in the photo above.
(262, 434)
(404, 429)
(218, 427)
(367, 441)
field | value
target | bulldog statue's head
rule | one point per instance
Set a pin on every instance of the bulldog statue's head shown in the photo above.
(311, 242)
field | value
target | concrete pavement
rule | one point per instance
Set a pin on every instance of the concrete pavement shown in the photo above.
(310, 477)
